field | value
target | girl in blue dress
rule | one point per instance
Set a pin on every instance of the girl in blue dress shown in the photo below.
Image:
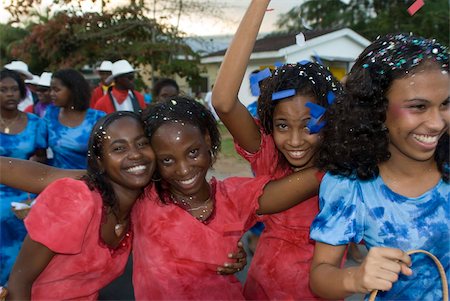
(70, 120)
(22, 135)
(386, 151)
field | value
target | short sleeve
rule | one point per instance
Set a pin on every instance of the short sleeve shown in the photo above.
(61, 215)
(341, 216)
(266, 160)
(41, 134)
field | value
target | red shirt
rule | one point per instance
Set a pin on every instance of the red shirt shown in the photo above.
(66, 219)
(105, 104)
(286, 234)
(176, 256)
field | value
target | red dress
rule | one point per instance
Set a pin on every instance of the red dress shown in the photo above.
(175, 256)
(280, 266)
(66, 219)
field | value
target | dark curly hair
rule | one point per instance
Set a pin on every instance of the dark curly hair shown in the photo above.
(80, 91)
(355, 139)
(307, 78)
(95, 177)
(5, 73)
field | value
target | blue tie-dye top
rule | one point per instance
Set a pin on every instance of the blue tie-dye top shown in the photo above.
(69, 144)
(22, 146)
(352, 210)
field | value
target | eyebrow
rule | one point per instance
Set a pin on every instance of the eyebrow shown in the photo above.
(121, 140)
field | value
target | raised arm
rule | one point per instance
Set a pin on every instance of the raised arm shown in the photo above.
(32, 176)
(289, 191)
(224, 95)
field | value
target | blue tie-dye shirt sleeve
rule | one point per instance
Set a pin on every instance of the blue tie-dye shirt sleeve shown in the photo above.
(41, 134)
(341, 216)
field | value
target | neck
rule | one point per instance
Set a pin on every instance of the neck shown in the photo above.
(401, 166)
(200, 197)
(126, 199)
(9, 114)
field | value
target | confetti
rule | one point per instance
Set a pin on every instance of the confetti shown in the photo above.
(300, 39)
(346, 1)
(283, 94)
(315, 110)
(270, 9)
(415, 7)
(255, 78)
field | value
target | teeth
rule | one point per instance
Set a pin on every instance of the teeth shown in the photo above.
(136, 169)
(297, 154)
(426, 139)
(188, 182)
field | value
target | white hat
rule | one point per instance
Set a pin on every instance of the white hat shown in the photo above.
(105, 66)
(20, 67)
(119, 68)
(33, 81)
(45, 79)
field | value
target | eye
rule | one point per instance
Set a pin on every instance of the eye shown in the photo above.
(166, 161)
(193, 153)
(281, 126)
(118, 148)
(143, 143)
(445, 103)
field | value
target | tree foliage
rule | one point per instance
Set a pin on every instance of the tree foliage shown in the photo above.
(370, 18)
(71, 39)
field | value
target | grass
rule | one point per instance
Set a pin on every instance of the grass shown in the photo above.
(227, 149)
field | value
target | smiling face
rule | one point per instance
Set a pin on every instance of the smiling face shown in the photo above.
(9, 94)
(127, 158)
(60, 94)
(183, 158)
(290, 134)
(418, 114)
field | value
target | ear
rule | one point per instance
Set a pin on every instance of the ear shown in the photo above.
(208, 139)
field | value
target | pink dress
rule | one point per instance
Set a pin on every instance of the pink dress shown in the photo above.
(175, 256)
(66, 219)
(280, 266)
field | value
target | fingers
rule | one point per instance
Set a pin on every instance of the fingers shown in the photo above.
(239, 261)
(381, 268)
(240, 253)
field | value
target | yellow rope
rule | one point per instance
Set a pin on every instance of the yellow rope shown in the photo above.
(441, 273)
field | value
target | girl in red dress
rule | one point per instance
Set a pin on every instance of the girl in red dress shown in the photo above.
(193, 221)
(79, 231)
(285, 139)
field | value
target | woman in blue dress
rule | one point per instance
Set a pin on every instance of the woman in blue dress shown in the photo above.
(386, 151)
(22, 135)
(70, 120)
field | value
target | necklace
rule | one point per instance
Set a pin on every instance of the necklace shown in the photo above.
(120, 226)
(206, 210)
(11, 122)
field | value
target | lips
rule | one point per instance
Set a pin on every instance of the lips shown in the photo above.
(297, 154)
(187, 183)
(137, 169)
(426, 139)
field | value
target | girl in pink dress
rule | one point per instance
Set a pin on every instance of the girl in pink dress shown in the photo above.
(195, 223)
(79, 231)
(293, 99)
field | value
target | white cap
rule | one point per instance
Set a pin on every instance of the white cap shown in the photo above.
(105, 66)
(45, 79)
(20, 67)
(33, 81)
(119, 68)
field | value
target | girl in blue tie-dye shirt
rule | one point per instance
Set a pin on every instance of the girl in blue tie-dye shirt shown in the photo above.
(70, 120)
(386, 150)
(22, 135)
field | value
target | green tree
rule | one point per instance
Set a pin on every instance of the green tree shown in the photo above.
(71, 39)
(8, 36)
(370, 18)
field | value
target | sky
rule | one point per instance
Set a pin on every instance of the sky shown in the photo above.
(202, 25)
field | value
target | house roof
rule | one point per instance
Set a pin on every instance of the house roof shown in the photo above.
(279, 41)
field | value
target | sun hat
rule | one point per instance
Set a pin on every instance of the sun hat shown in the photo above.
(33, 81)
(105, 66)
(119, 68)
(45, 79)
(20, 67)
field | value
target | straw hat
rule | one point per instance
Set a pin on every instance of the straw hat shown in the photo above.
(20, 67)
(45, 79)
(33, 81)
(119, 68)
(105, 66)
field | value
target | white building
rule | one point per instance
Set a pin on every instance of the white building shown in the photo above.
(337, 49)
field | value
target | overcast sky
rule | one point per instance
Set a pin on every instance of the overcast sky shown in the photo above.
(233, 10)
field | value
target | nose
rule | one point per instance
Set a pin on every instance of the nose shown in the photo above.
(438, 119)
(296, 138)
(134, 153)
(182, 168)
